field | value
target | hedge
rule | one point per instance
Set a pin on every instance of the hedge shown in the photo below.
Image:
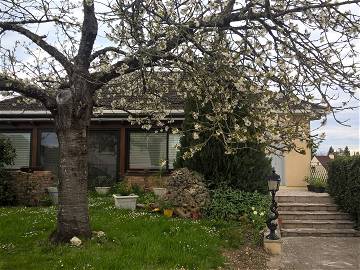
(344, 184)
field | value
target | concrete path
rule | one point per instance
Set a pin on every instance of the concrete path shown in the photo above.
(318, 253)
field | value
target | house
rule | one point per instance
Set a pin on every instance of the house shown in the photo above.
(116, 148)
(319, 165)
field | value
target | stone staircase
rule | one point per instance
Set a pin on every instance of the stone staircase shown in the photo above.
(304, 213)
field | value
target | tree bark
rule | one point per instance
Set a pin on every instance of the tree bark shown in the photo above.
(73, 214)
(72, 119)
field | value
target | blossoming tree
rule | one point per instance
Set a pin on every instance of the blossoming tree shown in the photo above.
(271, 59)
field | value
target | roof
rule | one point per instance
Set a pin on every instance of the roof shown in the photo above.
(324, 160)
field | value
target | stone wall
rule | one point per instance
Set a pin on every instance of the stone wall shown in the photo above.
(30, 188)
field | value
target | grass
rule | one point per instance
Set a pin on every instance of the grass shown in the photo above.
(134, 240)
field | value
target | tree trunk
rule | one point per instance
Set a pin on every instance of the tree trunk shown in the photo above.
(73, 214)
(72, 120)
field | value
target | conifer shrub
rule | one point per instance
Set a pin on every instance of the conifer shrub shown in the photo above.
(246, 169)
(7, 156)
(344, 184)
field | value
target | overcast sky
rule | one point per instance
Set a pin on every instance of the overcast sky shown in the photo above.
(337, 136)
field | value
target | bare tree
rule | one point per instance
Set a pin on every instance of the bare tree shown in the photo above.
(274, 58)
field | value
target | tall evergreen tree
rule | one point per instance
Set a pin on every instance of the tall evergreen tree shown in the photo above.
(331, 151)
(346, 151)
(247, 169)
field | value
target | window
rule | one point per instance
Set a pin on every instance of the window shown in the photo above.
(147, 150)
(103, 154)
(174, 140)
(21, 141)
(49, 152)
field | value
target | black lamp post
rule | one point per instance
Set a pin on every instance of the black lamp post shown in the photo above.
(273, 185)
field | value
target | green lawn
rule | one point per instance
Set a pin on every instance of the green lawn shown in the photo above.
(134, 240)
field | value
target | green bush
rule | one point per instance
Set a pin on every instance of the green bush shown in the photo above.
(230, 204)
(7, 156)
(247, 169)
(344, 184)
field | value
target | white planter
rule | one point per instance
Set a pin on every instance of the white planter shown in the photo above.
(125, 202)
(102, 190)
(54, 194)
(159, 191)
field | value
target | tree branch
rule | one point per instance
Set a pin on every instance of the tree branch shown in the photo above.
(28, 90)
(105, 50)
(38, 40)
(88, 34)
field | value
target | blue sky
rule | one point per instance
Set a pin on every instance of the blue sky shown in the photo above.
(339, 136)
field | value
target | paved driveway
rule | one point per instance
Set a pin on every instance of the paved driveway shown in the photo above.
(320, 253)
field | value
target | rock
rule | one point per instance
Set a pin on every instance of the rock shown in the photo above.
(75, 241)
(100, 234)
(187, 192)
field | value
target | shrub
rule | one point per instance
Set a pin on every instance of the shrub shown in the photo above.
(344, 184)
(247, 169)
(7, 156)
(230, 204)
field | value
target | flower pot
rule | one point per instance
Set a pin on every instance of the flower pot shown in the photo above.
(310, 188)
(159, 191)
(125, 202)
(54, 194)
(102, 190)
(319, 189)
(168, 212)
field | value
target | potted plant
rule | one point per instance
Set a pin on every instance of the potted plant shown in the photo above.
(159, 189)
(167, 207)
(124, 198)
(103, 185)
(316, 184)
(53, 194)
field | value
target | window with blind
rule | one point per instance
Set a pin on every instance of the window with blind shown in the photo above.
(21, 141)
(174, 141)
(147, 150)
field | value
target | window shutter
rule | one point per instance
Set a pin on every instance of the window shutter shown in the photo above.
(147, 150)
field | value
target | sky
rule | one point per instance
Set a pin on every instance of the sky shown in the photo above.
(337, 135)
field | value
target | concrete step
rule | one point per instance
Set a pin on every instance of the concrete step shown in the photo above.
(313, 215)
(320, 232)
(307, 207)
(322, 198)
(317, 224)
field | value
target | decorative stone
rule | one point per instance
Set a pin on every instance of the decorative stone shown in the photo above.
(187, 192)
(75, 241)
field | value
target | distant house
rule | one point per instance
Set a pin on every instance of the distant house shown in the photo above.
(319, 165)
(116, 148)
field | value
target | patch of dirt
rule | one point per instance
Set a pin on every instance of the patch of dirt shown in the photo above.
(246, 258)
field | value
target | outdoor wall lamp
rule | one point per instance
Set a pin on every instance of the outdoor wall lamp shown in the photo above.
(273, 185)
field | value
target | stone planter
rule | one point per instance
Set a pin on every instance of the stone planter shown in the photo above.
(125, 202)
(54, 194)
(102, 190)
(159, 191)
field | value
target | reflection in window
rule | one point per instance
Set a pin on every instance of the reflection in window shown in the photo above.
(49, 152)
(103, 149)
(147, 150)
(21, 143)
